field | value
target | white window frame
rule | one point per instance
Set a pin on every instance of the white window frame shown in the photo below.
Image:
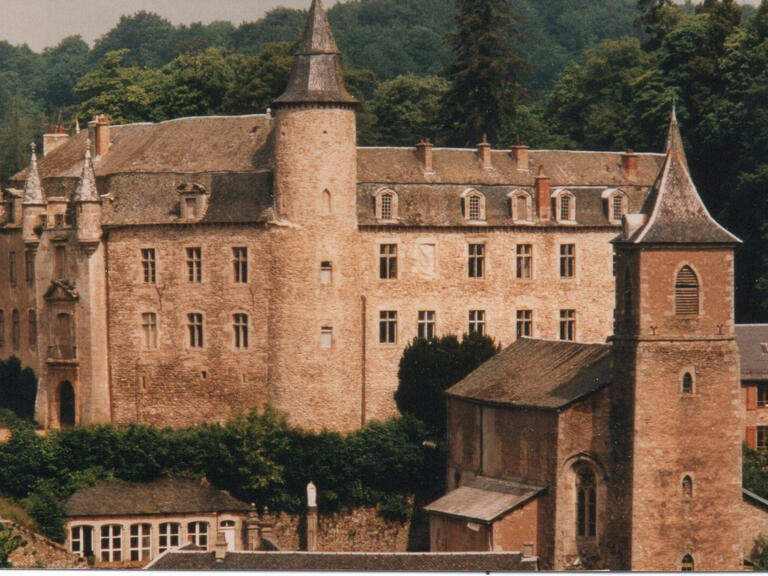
(198, 532)
(140, 542)
(112, 536)
(168, 532)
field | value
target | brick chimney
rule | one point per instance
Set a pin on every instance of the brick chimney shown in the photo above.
(54, 137)
(542, 194)
(520, 154)
(424, 154)
(629, 162)
(484, 151)
(98, 129)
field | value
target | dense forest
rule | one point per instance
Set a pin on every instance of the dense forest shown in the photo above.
(561, 73)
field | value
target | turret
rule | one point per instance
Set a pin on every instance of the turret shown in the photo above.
(32, 204)
(88, 204)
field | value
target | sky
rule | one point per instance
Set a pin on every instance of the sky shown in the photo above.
(42, 23)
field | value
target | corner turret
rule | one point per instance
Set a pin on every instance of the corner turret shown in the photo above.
(32, 204)
(88, 203)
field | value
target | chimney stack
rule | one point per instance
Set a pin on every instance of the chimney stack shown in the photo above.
(54, 137)
(424, 154)
(520, 154)
(484, 151)
(98, 129)
(629, 162)
(542, 194)
(253, 537)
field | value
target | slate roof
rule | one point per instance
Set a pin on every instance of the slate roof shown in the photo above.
(753, 350)
(163, 496)
(545, 374)
(484, 499)
(352, 561)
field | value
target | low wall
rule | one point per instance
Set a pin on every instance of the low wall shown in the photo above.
(40, 552)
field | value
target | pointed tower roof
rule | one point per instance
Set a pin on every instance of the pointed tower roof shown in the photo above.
(33, 189)
(676, 213)
(317, 76)
(86, 190)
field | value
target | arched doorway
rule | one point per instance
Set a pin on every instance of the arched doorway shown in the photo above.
(66, 404)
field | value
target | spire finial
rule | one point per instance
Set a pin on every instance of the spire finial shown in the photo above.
(33, 190)
(674, 144)
(86, 190)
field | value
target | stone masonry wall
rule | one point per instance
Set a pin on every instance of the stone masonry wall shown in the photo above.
(40, 552)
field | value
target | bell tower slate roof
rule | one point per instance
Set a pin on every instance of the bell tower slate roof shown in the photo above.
(317, 76)
(677, 214)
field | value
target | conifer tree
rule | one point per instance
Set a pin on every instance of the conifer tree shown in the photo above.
(485, 74)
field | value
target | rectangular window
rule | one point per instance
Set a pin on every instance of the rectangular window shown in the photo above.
(168, 536)
(12, 268)
(426, 324)
(111, 543)
(194, 265)
(386, 206)
(326, 272)
(387, 326)
(524, 325)
(567, 324)
(477, 321)
(15, 329)
(567, 260)
(762, 395)
(140, 542)
(524, 261)
(59, 262)
(32, 328)
(29, 266)
(476, 260)
(2, 328)
(565, 208)
(240, 263)
(474, 208)
(198, 533)
(58, 220)
(149, 329)
(195, 330)
(762, 437)
(522, 208)
(326, 337)
(617, 207)
(240, 325)
(388, 261)
(149, 265)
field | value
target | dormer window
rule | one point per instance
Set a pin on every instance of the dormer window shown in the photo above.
(193, 201)
(520, 206)
(386, 205)
(563, 205)
(473, 206)
(616, 204)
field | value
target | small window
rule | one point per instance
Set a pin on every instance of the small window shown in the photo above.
(32, 328)
(388, 326)
(473, 206)
(149, 329)
(426, 324)
(477, 322)
(29, 266)
(149, 265)
(190, 208)
(59, 262)
(388, 261)
(567, 324)
(567, 260)
(687, 487)
(627, 294)
(586, 503)
(169, 536)
(564, 206)
(326, 272)
(240, 326)
(326, 337)
(762, 395)
(198, 533)
(12, 268)
(686, 292)
(195, 330)
(386, 205)
(240, 265)
(111, 543)
(194, 265)
(686, 565)
(58, 220)
(524, 261)
(476, 260)
(15, 329)
(687, 387)
(520, 206)
(2, 327)
(617, 207)
(327, 204)
(524, 325)
(140, 542)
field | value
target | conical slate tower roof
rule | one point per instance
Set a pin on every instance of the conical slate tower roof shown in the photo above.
(86, 190)
(676, 213)
(317, 76)
(33, 190)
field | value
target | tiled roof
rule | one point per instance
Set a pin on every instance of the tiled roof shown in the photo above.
(753, 350)
(353, 561)
(484, 499)
(163, 496)
(538, 373)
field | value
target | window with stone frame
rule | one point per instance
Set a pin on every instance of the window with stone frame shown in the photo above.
(32, 328)
(567, 260)
(15, 329)
(473, 206)
(586, 503)
(240, 264)
(194, 264)
(686, 292)
(59, 262)
(140, 542)
(326, 337)
(326, 272)
(197, 532)
(476, 260)
(524, 261)
(617, 207)
(81, 540)
(477, 322)
(567, 324)
(195, 329)
(149, 265)
(111, 543)
(387, 326)
(524, 323)
(520, 206)
(687, 487)
(387, 261)
(12, 267)
(687, 383)
(29, 266)
(149, 330)
(426, 324)
(240, 326)
(168, 536)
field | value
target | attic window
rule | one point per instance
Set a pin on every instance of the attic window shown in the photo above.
(616, 205)
(193, 201)
(386, 204)
(564, 206)
(520, 208)
(473, 206)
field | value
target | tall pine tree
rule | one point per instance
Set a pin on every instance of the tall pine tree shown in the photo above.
(485, 74)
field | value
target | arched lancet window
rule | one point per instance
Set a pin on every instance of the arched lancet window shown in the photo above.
(586, 503)
(686, 292)
(473, 205)
(327, 206)
(627, 293)
(686, 565)
(687, 486)
(687, 386)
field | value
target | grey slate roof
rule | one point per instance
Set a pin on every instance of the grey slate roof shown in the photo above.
(484, 499)
(753, 350)
(342, 561)
(163, 496)
(543, 374)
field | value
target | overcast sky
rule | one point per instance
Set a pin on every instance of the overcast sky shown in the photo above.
(41, 23)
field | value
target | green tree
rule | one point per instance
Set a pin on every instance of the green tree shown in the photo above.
(21, 123)
(258, 80)
(657, 18)
(18, 388)
(149, 40)
(9, 541)
(64, 64)
(429, 367)
(485, 74)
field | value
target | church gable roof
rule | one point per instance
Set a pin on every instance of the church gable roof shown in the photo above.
(534, 373)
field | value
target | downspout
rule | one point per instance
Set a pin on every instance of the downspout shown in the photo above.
(362, 361)
(105, 244)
